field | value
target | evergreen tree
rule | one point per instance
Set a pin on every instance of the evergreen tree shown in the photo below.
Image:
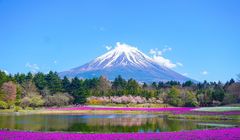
(40, 81)
(66, 84)
(54, 82)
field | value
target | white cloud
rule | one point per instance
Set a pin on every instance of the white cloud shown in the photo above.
(166, 49)
(108, 48)
(33, 67)
(204, 72)
(55, 62)
(185, 74)
(157, 56)
(152, 51)
(179, 64)
(163, 61)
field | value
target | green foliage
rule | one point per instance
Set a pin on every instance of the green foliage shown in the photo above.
(17, 108)
(174, 97)
(3, 105)
(32, 100)
(119, 83)
(54, 82)
(133, 87)
(3, 78)
(40, 81)
(190, 99)
(66, 84)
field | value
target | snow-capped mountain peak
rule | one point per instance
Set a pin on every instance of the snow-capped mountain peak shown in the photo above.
(123, 54)
(127, 61)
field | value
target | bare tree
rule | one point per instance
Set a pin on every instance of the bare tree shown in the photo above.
(10, 90)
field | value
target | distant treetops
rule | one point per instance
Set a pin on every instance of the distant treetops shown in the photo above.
(35, 90)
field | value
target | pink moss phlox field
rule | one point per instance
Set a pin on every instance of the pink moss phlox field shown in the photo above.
(218, 134)
(176, 110)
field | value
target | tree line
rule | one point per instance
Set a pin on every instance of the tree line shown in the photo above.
(37, 90)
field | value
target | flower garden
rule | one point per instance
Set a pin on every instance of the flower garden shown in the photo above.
(218, 134)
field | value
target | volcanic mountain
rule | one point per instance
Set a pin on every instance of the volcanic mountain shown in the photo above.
(128, 62)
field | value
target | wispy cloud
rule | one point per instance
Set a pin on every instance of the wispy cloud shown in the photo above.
(55, 62)
(204, 72)
(108, 47)
(33, 67)
(157, 56)
(185, 74)
(179, 64)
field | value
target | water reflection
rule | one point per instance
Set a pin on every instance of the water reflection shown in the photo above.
(99, 123)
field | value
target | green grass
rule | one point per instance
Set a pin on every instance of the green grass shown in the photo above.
(204, 118)
(218, 109)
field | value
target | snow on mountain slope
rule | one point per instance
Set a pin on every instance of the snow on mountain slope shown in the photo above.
(128, 62)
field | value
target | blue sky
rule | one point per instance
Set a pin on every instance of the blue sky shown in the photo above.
(43, 35)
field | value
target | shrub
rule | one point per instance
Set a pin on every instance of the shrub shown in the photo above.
(58, 99)
(25, 102)
(17, 108)
(29, 108)
(3, 105)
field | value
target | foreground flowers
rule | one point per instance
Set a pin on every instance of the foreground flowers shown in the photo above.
(218, 134)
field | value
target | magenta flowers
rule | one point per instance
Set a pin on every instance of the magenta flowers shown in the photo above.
(218, 134)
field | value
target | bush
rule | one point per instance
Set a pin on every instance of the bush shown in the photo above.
(58, 99)
(25, 102)
(3, 105)
(29, 108)
(17, 108)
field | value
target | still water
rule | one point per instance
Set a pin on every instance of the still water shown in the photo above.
(104, 123)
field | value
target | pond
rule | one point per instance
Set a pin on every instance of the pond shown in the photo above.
(114, 123)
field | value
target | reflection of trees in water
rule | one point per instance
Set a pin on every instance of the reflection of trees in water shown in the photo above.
(121, 121)
(87, 125)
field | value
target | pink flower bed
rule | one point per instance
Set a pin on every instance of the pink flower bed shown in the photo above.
(218, 134)
(176, 110)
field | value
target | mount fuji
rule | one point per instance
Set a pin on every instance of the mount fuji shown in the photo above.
(128, 62)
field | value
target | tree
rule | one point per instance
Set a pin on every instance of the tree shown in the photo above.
(154, 85)
(104, 85)
(187, 83)
(119, 83)
(145, 86)
(29, 76)
(9, 90)
(232, 94)
(66, 84)
(3, 77)
(79, 96)
(40, 81)
(20, 78)
(218, 93)
(189, 99)
(54, 82)
(132, 87)
(174, 97)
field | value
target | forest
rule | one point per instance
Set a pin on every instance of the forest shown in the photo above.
(30, 91)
